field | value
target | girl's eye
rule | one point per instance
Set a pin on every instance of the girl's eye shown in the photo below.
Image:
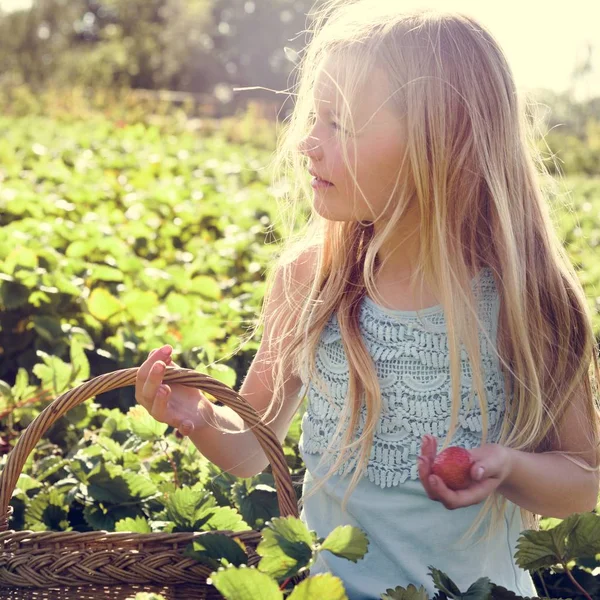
(313, 117)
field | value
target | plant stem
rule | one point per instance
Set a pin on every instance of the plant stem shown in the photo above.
(574, 581)
(283, 585)
(44, 395)
(174, 467)
(543, 583)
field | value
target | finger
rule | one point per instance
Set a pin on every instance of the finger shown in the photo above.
(160, 405)
(186, 427)
(143, 372)
(474, 494)
(152, 383)
(424, 474)
(430, 447)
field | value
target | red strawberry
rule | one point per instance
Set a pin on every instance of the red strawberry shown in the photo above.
(453, 466)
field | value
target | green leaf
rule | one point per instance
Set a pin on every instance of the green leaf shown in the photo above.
(193, 508)
(105, 517)
(79, 360)
(584, 540)
(140, 304)
(409, 593)
(285, 548)
(47, 511)
(111, 483)
(181, 505)
(205, 286)
(324, 586)
(443, 583)
(47, 327)
(543, 549)
(105, 273)
(54, 373)
(103, 305)
(243, 583)
(137, 525)
(144, 425)
(256, 499)
(25, 483)
(22, 390)
(211, 548)
(222, 373)
(480, 590)
(13, 295)
(347, 542)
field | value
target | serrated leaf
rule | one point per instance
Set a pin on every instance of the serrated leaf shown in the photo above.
(543, 549)
(181, 505)
(219, 518)
(104, 518)
(479, 590)
(54, 373)
(194, 509)
(79, 360)
(285, 548)
(214, 547)
(324, 586)
(114, 451)
(137, 525)
(347, 542)
(584, 539)
(243, 583)
(111, 483)
(6, 392)
(22, 389)
(443, 583)
(47, 510)
(25, 483)
(409, 593)
(103, 305)
(256, 499)
(144, 425)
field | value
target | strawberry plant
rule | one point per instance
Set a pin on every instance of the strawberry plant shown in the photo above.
(119, 238)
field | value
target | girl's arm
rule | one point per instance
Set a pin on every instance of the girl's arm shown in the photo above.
(549, 484)
(554, 484)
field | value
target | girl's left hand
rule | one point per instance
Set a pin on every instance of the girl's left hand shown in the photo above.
(494, 459)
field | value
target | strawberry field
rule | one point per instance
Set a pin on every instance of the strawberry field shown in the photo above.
(119, 238)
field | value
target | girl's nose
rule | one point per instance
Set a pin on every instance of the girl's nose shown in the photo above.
(310, 146)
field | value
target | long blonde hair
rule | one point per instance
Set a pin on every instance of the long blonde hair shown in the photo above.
(476, 177)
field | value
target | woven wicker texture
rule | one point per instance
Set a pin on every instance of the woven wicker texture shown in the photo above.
(100, 564)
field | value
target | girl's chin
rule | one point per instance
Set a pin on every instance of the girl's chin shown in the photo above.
(329, 215)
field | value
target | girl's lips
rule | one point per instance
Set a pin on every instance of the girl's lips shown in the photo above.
(317, 177)
(320, 183)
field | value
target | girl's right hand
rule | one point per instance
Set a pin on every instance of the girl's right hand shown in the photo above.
(177, 405)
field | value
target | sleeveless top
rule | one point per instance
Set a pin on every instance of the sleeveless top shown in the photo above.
(407, 531)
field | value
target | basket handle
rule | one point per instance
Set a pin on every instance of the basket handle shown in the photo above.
(286, 496)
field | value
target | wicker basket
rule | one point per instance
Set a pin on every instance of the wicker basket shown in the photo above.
(100, 564)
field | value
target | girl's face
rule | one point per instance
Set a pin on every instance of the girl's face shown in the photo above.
(377, 149)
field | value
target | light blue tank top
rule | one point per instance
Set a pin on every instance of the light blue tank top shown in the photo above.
(407, 531)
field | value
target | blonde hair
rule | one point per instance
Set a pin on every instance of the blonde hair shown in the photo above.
(472, 168)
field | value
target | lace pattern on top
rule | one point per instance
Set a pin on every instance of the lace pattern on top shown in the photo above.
(412, 360)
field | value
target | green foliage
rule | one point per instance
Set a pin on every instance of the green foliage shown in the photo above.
(116, 240)
(139, 249)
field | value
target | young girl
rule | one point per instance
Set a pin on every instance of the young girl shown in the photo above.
(426, 298)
